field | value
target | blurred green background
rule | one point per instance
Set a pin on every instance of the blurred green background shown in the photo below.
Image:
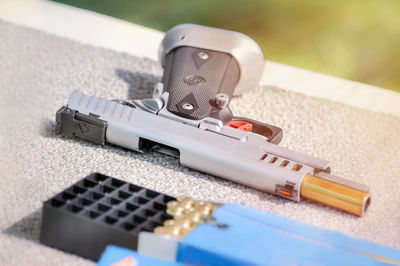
(355, 39)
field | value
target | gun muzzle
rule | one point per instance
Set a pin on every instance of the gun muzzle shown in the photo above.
(336, 192)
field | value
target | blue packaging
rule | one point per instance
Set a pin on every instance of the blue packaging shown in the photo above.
(118, 256)
(258, 238)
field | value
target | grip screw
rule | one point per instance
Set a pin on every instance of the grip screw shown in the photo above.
(203, 55)
(221, 100)
(187, 106)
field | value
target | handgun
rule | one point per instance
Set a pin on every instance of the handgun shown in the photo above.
(189, 117)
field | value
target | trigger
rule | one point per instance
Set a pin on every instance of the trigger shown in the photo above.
(241, 125)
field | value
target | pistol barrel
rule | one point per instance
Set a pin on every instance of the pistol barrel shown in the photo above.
(332, 191)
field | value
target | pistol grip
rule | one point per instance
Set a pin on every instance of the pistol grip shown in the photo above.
(194, 76)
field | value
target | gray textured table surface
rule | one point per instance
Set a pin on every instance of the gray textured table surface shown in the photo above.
(37, 73)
